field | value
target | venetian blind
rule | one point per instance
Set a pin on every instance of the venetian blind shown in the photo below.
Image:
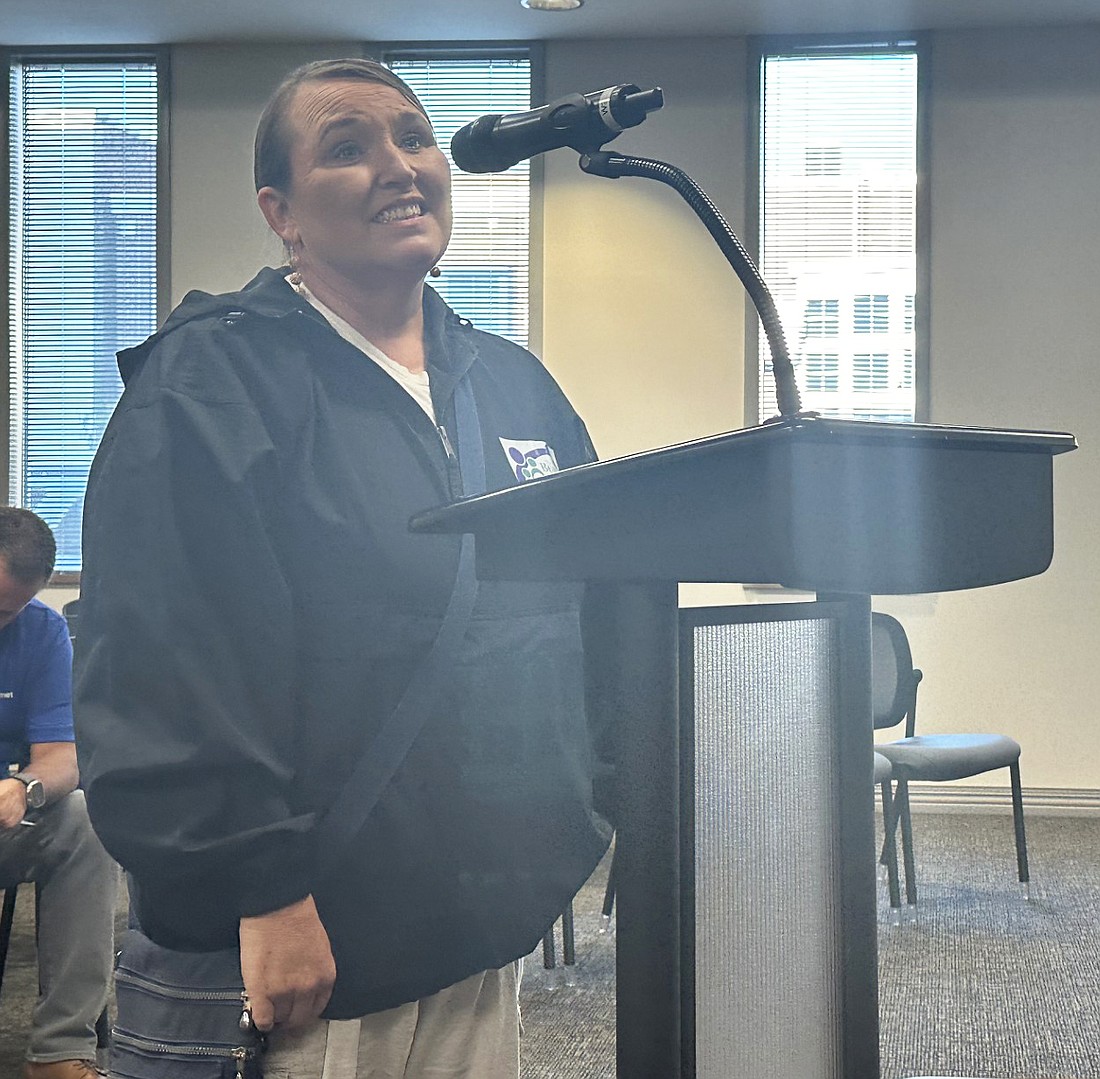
(83, 151)
(838, 225)
(484, 274)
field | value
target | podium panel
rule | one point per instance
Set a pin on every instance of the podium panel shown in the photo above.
(779, 966)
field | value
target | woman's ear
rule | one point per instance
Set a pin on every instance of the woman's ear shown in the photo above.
(275, 207)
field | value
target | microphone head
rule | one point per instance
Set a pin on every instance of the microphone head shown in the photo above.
(474, 150)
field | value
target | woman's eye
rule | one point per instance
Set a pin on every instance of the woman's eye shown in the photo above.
(346, 151)
(415, 140)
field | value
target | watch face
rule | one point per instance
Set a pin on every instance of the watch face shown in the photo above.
(36, 793)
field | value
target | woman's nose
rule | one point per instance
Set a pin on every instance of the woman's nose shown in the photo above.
(395, 163)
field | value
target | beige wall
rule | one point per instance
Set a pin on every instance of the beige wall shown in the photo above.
(644, 326)
(1015, 342)
(219, 237)
(643, 320)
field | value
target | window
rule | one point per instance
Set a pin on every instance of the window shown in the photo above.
(82, 266)
(821, 318)
(872, 313)
(838, 224)
(485, 272)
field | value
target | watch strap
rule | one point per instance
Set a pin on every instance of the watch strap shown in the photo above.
(29, 782)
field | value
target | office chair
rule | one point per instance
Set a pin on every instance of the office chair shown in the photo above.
(931, 757)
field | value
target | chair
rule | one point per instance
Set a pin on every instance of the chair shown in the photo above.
(930, 757)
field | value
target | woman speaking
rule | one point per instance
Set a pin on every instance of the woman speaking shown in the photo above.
(304, 731)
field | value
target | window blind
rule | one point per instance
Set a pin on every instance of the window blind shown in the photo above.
(82, 142)
(838, 225)
(484, 274)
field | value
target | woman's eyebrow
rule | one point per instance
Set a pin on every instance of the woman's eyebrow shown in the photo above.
(338, 124)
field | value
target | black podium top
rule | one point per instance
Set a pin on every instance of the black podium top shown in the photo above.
(824, 505)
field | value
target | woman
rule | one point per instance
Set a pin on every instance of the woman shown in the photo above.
(254, 608)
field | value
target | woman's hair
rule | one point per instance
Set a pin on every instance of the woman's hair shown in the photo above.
(271, 162)
(27, 546)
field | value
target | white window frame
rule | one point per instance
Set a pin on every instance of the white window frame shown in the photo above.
(11, 270)
(909, 301)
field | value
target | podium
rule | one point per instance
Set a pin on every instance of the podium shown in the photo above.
(745, 861)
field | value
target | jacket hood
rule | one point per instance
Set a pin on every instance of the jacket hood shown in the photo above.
(267, 295)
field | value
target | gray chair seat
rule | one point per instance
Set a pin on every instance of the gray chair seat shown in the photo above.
(883, 769)
(939, 757)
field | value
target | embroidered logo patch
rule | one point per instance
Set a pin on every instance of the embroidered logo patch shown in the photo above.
(529, 460)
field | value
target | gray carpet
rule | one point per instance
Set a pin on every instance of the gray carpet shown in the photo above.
(982, 984)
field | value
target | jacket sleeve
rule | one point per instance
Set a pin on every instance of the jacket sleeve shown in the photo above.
(184, 679)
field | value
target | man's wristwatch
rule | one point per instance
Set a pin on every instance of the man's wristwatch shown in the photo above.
(36, 793)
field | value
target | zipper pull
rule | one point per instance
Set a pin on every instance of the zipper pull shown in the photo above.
(240, 1059)
(451, 456)
(245, 1023)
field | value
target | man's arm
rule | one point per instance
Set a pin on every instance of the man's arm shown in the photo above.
(53, 764)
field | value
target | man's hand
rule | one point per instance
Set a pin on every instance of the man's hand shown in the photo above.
(13, 803)
(287, 965)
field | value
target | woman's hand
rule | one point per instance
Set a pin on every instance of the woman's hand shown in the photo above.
(287, 965)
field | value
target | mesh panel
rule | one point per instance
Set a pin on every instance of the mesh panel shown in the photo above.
(766, 851)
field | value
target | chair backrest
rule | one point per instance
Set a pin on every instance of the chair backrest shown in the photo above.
(71, 612)
(893, 677)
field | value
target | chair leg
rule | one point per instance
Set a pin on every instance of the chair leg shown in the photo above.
(889, 845)
(6, 919)
(548, 959)
(609, 891)
(901, 810)
(568, 949)
(1018, 824)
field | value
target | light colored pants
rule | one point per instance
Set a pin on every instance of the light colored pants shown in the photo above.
(468, 1031)
(78, 887)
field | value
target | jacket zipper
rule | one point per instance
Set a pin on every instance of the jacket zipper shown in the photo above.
(447, 447)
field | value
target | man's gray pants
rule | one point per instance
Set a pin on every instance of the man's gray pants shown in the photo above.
(78, 888)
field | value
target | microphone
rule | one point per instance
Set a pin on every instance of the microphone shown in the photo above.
(584, 122)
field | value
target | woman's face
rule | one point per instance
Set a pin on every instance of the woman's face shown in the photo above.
(370, 191)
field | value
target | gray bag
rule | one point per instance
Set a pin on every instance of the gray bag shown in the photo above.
(181, 1014)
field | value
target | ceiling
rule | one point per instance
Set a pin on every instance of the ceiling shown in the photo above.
(140, 22)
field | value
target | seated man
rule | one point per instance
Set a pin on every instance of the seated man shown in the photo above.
(44, 831)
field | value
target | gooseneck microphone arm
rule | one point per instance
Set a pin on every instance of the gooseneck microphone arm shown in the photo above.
(611, 165)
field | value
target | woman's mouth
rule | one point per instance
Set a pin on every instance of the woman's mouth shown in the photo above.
(398, 213)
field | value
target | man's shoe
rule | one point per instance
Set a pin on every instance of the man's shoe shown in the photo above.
(61, 1069)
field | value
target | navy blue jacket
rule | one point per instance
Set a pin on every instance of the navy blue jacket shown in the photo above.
(252, 607)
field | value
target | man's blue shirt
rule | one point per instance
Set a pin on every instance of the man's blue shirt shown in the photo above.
(36, 681)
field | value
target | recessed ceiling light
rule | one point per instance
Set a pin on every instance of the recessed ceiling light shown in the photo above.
(551, 5)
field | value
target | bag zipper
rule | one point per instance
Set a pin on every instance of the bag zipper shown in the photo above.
(177, 992)
(241, 1055)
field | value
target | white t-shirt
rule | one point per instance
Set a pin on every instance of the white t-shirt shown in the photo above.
(414, 382)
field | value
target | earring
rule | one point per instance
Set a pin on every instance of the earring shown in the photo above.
(295, 277)
(435, 271)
